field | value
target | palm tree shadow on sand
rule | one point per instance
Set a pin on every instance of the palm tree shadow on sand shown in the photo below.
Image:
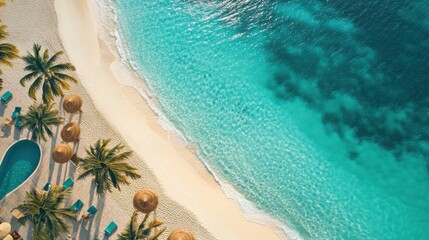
(51, 160)
(88, 224)
(17, 133)
(2, 108)
(7, 130)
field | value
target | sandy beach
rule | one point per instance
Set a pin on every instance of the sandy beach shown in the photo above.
(189, 195)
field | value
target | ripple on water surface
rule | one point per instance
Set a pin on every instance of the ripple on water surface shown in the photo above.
(315, 111)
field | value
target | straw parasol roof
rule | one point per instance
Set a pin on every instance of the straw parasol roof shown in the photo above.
(8, 237)
(181, 234)
(70, 132)
(145, 201)
(62, 153)
(72, 103)
(4, 229)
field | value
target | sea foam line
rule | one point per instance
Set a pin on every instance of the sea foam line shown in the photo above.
(128, 71)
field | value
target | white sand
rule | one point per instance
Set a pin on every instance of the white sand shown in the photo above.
(181, 174)
(36, 22)
(166, 165)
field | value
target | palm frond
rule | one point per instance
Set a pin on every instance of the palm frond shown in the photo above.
(140, 232)
(28, 77)
(47, 73)
(156, 235)
(34, 87)
(46, 212)
(39, 119)
(8, 52)
(107, 166)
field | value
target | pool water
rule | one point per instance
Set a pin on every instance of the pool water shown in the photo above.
(18, 164)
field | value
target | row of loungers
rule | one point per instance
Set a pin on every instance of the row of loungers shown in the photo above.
(66, 185)
(16, 115)
(78, 204)
(111, 228)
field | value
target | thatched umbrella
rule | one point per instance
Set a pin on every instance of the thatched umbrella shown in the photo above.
(62, 153)
(70, 132)
(4, 229)
(181, 234)
(145, 201)
(72, 103)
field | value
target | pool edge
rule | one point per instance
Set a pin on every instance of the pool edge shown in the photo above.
(32, 174)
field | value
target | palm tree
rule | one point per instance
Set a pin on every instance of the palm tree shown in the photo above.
(107, 166)
(7, 51)
(47, 212)
(39, 119)
(46, 74)
(136, 231)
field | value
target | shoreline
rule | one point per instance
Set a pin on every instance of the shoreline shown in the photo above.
(123, 66)
(191, 185)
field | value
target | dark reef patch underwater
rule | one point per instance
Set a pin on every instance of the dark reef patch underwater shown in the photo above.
(364, 65)
(367, 71)
(316, 111)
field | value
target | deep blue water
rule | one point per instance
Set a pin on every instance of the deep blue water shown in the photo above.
(19, 162)
(316, 111)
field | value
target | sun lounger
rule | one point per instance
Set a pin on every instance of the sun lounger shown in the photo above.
(47, 186)
(89, 213)
(18, 122)
(7, 121)
(92, 210)
(17, 214)
(16, 113)
(6, 96)
(77, 206)
(68, 183)
(110, 228)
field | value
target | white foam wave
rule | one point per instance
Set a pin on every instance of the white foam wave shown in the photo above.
(129, 73)
(252, 213)
(126, 70)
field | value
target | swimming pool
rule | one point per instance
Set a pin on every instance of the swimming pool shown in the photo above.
(19, 162)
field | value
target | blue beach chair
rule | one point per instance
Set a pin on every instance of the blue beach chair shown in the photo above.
(110, 228)
(68, 183)
(18, 122)
(6, 96)
(16, 113)
(47, 186)
(77, 206)
(92, 210)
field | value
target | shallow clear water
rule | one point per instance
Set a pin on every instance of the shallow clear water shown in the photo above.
(315, 111)
(19, 162)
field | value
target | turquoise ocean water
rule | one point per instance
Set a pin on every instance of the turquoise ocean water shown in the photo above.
(315, 111)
